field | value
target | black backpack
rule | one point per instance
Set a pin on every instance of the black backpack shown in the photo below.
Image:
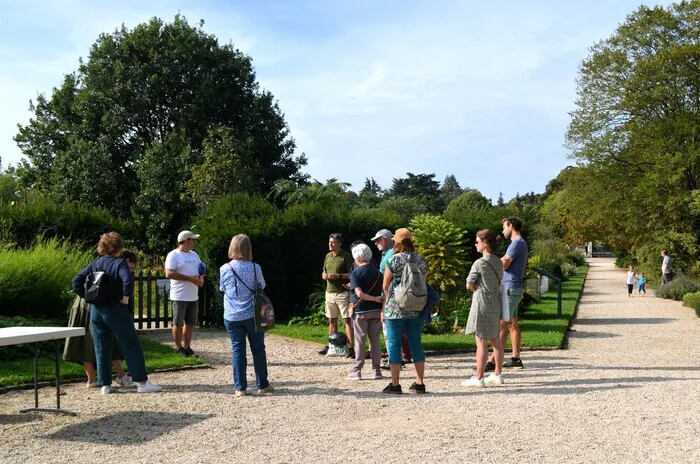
(100, 287)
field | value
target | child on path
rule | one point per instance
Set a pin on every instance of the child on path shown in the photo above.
(641, 282)
(631, 278)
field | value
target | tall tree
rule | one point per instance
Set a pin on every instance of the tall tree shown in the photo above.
(134, 89)
(450, 189)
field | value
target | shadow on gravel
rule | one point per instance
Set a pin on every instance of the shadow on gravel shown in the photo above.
(576, 334)
(127, 427)
(624, 321)
(510, 389)
(6, 419)
(312, 364)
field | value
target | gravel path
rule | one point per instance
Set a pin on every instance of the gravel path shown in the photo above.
(626, 390)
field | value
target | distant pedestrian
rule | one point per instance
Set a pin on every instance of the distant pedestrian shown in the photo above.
(666, 272)
(641, 284)
(631, 279)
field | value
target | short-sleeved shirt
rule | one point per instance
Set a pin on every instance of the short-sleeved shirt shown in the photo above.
(185, 263)
(338, 264)
(373, 263)
(396, 265)
(368, 279)
(514, 276)
(238, 297)
(386, 256)
(667, 263)
(641, 281)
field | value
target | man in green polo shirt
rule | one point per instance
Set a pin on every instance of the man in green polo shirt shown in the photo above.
(336, 273)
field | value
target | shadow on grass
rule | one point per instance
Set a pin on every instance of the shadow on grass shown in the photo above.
(127, 428)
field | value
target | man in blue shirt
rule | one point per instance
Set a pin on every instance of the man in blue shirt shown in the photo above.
(514, 264)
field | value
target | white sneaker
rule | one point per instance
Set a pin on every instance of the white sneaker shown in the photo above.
(92, 384)
(335, 350)
(106, 390)
(125, 381)
(148, 387)
(494, 380)
(473, 383)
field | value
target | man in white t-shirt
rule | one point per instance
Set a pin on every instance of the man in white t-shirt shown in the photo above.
(186, 273)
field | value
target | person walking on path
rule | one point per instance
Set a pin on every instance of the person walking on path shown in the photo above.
(631, 279)
(666, 272)
(485, 314)
(112, 319)
(641, 284)
(400, 320)
(240, 279)
(514, 265)
(185, 271)
(366, 284)
(336, 273)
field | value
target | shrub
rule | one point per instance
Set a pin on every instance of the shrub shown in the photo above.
(691, 300)
(677, 288)
(454, 307)
(36, 282)
(21, 222)
(315, 311)
(442, 244)
(697, 309)
(576, 258)
(625, 259)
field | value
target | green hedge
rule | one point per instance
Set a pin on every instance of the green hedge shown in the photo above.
(677, 288)
(289, 244)
(36, 281)
(22, 222)
(691, 300)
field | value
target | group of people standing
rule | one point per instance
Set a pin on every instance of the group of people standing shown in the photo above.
(357, 290)
(364, 296)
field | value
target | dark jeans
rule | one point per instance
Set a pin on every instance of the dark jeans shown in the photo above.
(237, 331)
(109, 320)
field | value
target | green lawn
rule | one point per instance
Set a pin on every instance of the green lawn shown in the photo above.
(540, 326)
(158, 356)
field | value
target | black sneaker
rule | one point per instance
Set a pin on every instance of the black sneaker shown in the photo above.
(190, 352)
(385, 366)
(324, 351)
(368, 355)
(417, 389)
(350, 353)
(490, 366)
(392, 390)
(181, 351)
(514, 363)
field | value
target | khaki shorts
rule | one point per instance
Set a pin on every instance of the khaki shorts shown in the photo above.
(338, 304)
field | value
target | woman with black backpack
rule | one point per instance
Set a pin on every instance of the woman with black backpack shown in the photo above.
(107, 284)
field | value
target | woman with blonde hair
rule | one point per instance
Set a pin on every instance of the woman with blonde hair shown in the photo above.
(241, 278)
(484, 320)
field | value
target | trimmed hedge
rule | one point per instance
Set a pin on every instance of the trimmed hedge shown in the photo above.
(289, 244)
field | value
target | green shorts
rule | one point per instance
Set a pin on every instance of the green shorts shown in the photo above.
(515, 296)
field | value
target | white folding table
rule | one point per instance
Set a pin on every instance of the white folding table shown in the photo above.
(17, 335)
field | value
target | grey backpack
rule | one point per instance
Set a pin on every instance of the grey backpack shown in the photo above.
(411, 293)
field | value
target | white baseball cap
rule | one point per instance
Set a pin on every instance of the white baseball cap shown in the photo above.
(184, 235)
(386, 233)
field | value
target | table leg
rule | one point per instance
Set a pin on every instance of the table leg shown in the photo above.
(58, 375)
(36, 375)
(36, 407)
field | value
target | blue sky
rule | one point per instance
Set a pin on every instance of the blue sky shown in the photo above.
(481, 90)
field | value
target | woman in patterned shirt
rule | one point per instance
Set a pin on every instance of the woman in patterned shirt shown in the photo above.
(399, 321)
(485, 314)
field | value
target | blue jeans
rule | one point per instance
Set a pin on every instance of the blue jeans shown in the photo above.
(237, 331)
(395, 328)
(113, 319)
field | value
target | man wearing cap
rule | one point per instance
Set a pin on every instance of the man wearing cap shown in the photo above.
(185, 271)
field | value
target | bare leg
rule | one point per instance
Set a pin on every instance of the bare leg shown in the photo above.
(187, 333)
(420, 370)
(482, 348)
(177, 336)
(118, 367)
(395, 371)
(498, 354)
(514, 336)
(90, 371)
(503, 337)
(351, 332)
(332, 325)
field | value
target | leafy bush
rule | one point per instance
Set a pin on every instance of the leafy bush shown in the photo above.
(691, 300)
(625, 259)
(677, 288)
(22, 222)
(36, 282)
(442, 244)
(454, 307)
(697, 309)
(316, 310)
(576, 258)
(568, 269)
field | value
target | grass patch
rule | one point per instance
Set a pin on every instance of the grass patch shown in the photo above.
(540, 326)
(20, 371)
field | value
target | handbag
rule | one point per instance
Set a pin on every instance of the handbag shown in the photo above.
(505, 308)
(263, 311)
